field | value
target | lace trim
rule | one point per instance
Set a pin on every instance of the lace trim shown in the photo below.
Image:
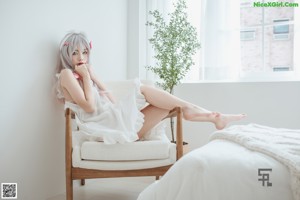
(59, 92)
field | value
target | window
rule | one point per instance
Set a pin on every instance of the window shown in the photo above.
(271, 51)
(281, 68)
(264, 48)
(247, 34)
(281, 29)
(245, 40)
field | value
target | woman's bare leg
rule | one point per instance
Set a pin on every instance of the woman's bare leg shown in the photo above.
(164, 100)
(152, 116)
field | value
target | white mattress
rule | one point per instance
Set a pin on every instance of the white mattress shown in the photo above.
(221, 170)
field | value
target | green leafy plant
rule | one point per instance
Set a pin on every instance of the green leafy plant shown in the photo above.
(174, 43)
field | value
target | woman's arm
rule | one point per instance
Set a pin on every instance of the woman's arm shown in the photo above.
(81, 96)
(100, 85)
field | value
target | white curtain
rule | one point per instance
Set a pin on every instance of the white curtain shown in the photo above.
(217, 23)
(221, 39)
(194, 13)
(164, 7)
(194, 10)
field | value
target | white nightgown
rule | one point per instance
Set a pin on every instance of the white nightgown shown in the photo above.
(111, 122)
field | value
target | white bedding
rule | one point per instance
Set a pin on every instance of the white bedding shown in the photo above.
(279, 143)
(221, 170)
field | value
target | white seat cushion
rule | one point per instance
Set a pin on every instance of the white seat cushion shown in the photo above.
(122, 165)
(141, 150)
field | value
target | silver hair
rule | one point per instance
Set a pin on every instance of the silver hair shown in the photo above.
(68, 45)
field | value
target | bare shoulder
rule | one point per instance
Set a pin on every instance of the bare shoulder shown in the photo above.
(66, 72)
(66, 76)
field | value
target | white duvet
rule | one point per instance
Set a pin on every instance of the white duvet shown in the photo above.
(222, 170)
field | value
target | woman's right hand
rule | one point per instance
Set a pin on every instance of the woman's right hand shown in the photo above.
(82, 70)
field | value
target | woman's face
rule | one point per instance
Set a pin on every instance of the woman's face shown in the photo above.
(79, 56)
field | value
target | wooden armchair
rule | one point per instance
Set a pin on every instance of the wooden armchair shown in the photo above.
(78, 168)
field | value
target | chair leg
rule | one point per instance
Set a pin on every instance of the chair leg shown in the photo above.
(69, 189)
(156, 177)
(82, 181)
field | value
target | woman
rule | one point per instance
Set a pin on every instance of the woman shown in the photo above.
(100, 117)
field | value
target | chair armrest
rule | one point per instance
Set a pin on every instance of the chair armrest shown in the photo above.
(177, 112)
(68, 140)
(173, 113)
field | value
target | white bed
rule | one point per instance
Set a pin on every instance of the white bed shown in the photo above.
(224, 170)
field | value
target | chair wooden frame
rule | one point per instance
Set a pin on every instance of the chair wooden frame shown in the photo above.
(75, 173)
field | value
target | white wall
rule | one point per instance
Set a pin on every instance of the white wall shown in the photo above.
(32, 129)
(273, 104)
(136, 38)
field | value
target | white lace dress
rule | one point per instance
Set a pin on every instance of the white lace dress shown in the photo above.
(111, 122)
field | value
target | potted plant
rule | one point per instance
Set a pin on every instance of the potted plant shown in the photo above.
(174, 43)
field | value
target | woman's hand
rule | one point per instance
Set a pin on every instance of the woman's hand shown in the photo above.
(91, 72)
(100, 85)
(82, 70)
(81, 94)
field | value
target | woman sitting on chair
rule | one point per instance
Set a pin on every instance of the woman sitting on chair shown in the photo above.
(103, 119)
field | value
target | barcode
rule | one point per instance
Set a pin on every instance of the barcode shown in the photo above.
(8, 190)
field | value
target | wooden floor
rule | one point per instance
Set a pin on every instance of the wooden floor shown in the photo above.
(109, 189)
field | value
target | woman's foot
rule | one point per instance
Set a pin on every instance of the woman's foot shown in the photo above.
(194, 113)
(221, 120)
